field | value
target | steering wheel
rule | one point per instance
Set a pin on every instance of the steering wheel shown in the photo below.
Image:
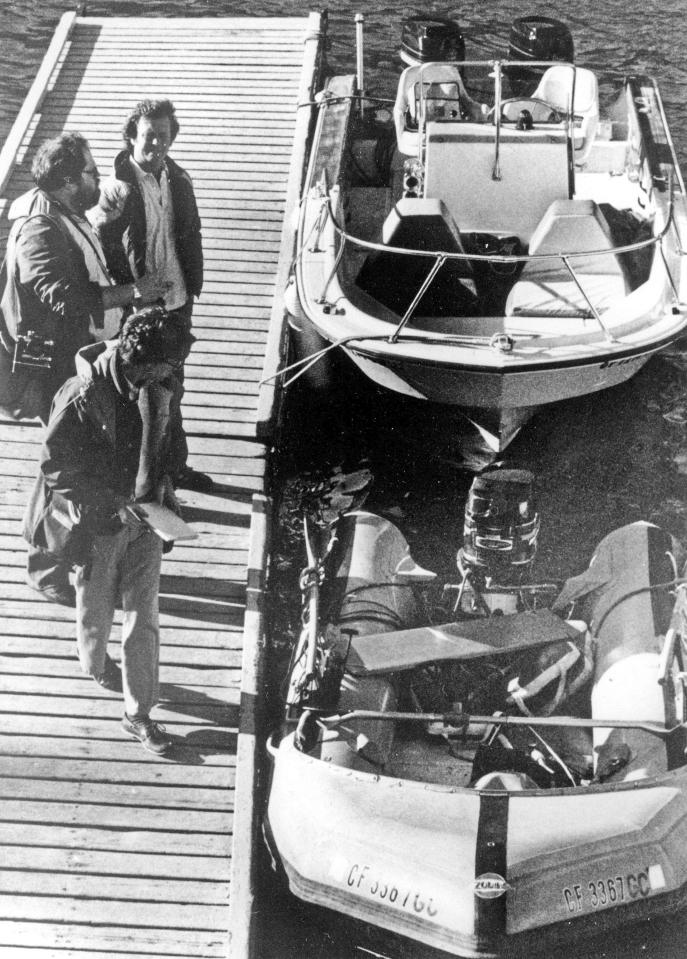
(541, 111)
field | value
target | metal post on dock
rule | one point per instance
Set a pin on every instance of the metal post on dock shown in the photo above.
(359, 59)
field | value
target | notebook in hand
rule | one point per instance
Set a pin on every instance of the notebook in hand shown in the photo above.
(164, 522)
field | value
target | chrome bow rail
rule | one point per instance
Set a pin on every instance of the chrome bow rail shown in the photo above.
(326, 214)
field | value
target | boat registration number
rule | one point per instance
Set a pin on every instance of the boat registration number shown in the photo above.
(604, 891)
(363, 879)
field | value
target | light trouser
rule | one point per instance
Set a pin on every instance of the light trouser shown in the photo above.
(126, 567)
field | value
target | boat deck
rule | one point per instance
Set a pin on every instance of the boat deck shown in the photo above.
(106, 849)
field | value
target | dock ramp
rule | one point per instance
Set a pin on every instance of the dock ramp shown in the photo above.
(107, 850)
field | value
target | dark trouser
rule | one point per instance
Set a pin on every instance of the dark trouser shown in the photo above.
(46, 571)
(179, 445)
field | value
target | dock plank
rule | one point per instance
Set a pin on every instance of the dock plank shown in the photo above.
(80, 940)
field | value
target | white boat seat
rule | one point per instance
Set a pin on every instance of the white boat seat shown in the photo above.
(556, 88)
(445, 97)
(545, 287)
(543, 297)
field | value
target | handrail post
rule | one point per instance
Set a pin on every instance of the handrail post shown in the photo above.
(438, 263)
(610, 338)
(671, 221)
(359, 58)
(337, 259)
(676, 294)
(319, 226)
(496, 169)
(571, 136)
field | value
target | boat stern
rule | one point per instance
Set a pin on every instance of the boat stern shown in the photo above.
(397, 854)
(477, 873)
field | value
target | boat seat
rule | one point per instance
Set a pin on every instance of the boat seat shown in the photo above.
(546, 288)
(395, 278)
(424, 224)
(445, 97)
(556, 88)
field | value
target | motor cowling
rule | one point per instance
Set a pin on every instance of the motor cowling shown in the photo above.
(501, 525)
(426, 38)
(535, 38)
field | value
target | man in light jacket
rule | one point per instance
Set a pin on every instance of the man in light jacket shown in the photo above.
(148, 222)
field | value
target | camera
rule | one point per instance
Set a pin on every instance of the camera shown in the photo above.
(33, 350)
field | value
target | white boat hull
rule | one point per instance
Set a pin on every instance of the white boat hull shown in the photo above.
(550, 344)
(497, 403)
(402, 839)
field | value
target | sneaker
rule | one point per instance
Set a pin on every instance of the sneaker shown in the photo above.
(188, 478)
(152, 735)
(64, 595)
(111, 676)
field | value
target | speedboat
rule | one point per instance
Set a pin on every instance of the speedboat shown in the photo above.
(507, 235)
(493, 772)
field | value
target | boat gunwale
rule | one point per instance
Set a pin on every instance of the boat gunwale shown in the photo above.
(664, 780)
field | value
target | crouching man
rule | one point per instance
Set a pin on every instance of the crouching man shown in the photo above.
(101, 457)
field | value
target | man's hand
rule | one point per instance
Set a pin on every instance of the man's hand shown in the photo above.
(167, 496)
(130, 514)
(113, 195)
(150, 288)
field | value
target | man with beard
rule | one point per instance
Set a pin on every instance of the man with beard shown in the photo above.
(59, 291)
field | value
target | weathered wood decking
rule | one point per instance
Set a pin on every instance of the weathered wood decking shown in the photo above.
(107, 850)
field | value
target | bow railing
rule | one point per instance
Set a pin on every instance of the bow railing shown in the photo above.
(439, 258)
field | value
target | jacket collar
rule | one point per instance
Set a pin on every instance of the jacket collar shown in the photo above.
(98, 370)
(33, 202)
(124, 170)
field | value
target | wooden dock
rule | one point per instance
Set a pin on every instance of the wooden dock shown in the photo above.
(107, 850)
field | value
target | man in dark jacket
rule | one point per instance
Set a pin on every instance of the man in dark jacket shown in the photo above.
(148, 222)
(100, 459)
(58, 286)
(59, 290)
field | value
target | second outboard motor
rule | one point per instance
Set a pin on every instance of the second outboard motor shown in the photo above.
(427, 37)
(536, 38)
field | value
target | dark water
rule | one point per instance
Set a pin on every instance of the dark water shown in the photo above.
(600, 461)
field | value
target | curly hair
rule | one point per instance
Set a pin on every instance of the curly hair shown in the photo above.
(153, 110)
(154, 335)
(58, 161)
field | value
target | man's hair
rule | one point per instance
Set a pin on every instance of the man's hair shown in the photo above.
(154, 335)
(153, 110)
(58, 161)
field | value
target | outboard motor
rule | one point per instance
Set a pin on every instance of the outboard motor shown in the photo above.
(426, 38)
(499, 535)
(536, 38)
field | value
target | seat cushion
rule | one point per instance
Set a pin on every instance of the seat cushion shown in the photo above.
(544, 296)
